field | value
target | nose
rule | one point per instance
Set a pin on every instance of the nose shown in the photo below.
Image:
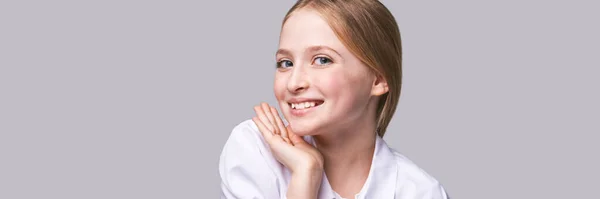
(298, 81)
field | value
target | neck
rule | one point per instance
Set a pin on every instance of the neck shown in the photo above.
(350, 146)
(354, 142)
(348, 155)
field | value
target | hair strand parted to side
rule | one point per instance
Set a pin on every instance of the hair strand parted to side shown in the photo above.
(370, 32)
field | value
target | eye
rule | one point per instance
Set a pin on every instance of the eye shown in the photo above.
(322, 61)
(284, 64)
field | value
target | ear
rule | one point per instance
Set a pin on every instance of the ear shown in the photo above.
(380, 86)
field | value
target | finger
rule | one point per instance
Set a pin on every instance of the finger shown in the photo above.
(263, 118)
(282, 129)
(296, 139)
(267, 109)
(267, 134)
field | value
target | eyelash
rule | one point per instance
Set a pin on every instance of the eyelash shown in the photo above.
(278, 64)
(323, 57)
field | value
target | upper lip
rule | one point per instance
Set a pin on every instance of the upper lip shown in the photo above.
(299, 100)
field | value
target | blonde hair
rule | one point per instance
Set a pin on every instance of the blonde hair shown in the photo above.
(370, 32)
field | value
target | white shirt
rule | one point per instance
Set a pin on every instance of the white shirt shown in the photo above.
(249, 170)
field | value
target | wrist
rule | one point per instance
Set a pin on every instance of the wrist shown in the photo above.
(309, 165)
(305, 183)
(308, 173)
(308, 168)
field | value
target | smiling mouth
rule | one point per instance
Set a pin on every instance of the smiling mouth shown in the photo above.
(305, 105)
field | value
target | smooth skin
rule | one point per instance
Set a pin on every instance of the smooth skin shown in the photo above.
(304, 161)
(312, 63)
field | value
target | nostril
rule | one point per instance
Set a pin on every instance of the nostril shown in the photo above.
(299, 89)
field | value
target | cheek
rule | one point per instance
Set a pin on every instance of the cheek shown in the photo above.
(346, 90)
(279, 87)
(328, 83)
(337, 88)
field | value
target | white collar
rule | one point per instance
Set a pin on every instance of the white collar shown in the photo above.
(381, 182)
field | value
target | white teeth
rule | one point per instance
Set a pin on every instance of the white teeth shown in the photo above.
(303, 105)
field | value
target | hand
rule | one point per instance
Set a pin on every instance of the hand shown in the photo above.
(288, 148)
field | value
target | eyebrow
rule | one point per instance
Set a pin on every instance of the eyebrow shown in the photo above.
(321, 47)
(284, 52)
(287, 52)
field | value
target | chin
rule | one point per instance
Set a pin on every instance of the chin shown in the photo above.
(303, 128)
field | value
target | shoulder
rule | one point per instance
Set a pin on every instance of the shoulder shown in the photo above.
(246, 165)
(245, 133)
(245, 146)
(409, 171)
(413, 179)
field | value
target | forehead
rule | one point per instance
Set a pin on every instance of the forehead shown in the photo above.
(305, 28)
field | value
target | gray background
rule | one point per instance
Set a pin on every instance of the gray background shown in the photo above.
(135, 99)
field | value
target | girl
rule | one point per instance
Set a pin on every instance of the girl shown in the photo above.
(337, 83)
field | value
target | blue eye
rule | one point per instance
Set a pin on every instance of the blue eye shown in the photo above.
(322, 61)
(284, 64)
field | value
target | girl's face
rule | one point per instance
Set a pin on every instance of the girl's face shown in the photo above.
(319, 84)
